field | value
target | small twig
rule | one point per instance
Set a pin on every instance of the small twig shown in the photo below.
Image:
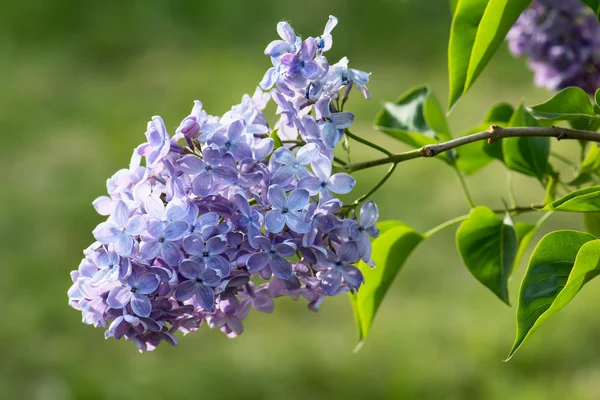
(491, 135)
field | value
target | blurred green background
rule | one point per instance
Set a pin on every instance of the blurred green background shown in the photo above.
(79, 80)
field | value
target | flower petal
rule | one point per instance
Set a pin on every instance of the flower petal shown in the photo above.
(149, 250)
(136, 225)
(141, 305)
(106, 232)
(341, 183)
(203, 184)
(121, 214)
(369, 213)
(175, 230)
(155, 208)
(276, 196)
(307, 153)
(257, 261)
(280, 267)
(123, 244)
(275, 221)
(170, 253)
(205, 296)
(190, 269)
(147, 283)
(191, 164)
(186, 290)
(225, 174)
(298, 199)
(118, 297)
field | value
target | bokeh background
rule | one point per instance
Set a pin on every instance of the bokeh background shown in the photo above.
(79, 80)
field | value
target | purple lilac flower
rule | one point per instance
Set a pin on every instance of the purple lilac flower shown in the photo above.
(286, 210)
(119, 231)
(561, 38)
(134, 291)
(323, 183)
(217, 221)
(200, 283)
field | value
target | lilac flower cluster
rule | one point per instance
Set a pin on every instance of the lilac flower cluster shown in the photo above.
(562, 40)
(219, 221)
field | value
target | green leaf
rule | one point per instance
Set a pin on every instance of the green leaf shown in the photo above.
(592, 223)
(478, 29)
(590, 166)
(276, 140)
(390, 250)
(453, 4)
(562, 262)
(572, 103)
(527, 155)
(594, 5)
(597, 95)
(488, 246)
(525, 232)
(581, 200)
(415, 118)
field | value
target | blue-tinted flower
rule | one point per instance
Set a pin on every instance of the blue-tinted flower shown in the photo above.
(111, 267)
(208, 171)
(288, 43)
(303, 63)
(158, 144)
(324, 183)
(209, 252)
(120, 230)
(273, 257)
(160, 240)
(293, 166)
(286, 210)
(199, 284)
(340, 269)
(234, 141)
(363, 230)
(325, 41)
(134, 292)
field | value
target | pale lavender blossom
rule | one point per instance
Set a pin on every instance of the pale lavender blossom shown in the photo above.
(134, 292)
(119, 231)
(286, 210)
(199, 284)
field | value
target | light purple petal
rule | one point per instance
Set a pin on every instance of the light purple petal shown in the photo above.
(322, 168)
(276, 196)
(103, 205)
(121, 214)
(262, 243)
(219, 264)
(368, 214)
(310, 70)
(241, 151)
(310, 183)
(277, 48)
(118, 297)
(155, 228)
(353, 276)
(349, 252)
(298, 199)
(283, 155)
(258, 261)
(225, 174)
(191, 164)
(136, 225)
(155, 207)
(286, 32)
(341, 183)
(307, 153)
(175, 230)
(280, 267)
(284, 175)
(274, 221)
(147, 283)
(235, 130)
(141, 305)
(342, 120)
(177, 210)
(193, 245)
(170, 253)
(284, 250)
(149, 250)
(203, 184)
(332, 280)
(330, 135)
(263, 304)
(205, 296)
(186, 290)
(216, 245)
(190, 269)
(123, 245)
(295, 220)
(210, 277)
(106, 232)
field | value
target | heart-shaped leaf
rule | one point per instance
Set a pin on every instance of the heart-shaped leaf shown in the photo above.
(572, 103)
(562, 262)
(488, 247)
(581, 200)
(527, 155)
(416, 119)
(390, 250)
(478, 29)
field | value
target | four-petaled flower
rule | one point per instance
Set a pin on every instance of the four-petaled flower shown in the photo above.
(120, 230)
(324, 183)
(160, 238)
(208, 252)
(287, 210)
(233, 142)
(158, 144)
(134, 292)
(293, 166)
(200, 283)
(363, 230)
(208, 171)
(273, 257)
(339, 267)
